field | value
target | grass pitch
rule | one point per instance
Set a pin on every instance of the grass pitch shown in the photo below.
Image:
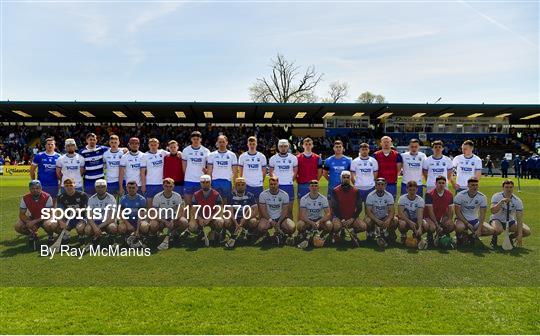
(262, 289)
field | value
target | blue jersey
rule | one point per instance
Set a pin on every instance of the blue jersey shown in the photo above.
(46, 168)
(93, 162)
(334, 167)
(246, 199)
(135, 203)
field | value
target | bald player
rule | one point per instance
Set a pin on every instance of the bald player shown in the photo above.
(274, 212)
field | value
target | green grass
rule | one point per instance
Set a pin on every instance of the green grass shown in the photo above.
(336, 290)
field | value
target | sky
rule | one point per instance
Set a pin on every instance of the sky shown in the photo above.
(408, 51)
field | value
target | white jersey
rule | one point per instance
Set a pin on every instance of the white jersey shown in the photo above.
(222, 164)
(411, 206)
(436, 167)
(71, 168)
(515, 204)
(253, 165)
(470, 206)
(283, 166)
(379, 204)
(412, 167)
(466, 168)
(174, 202)
(196, 161)
(274, 203)
(94, 202)
(314, 206)
(364, 170)
(111, 160)
(153, 162)
(132, 164)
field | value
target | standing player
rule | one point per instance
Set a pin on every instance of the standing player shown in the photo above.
(173, 219)
(135, 223)
(274, 210)
(240, 199)
(205, 201)
(413, 161)
(364, 171)
(309, 168)
(71, 198)
(467, 165)
(380, 214)
(334, 165)
(111, 161)
(172, 167)
(439, 209)
(30, 214)
(71, 165)
(45, 162)
(436, 165)
(222, 166)
(470, 207)
(93, 162)
(507, 206)
(411, 214)
(152, 170)
(346, 208)
(194, 165)
(390, 164)
(314, 214)
(284, 166)
(130, 166)
(106, 222)
(252, 166)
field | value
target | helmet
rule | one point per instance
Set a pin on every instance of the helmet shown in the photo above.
(411, 242)
(445, 241)
(422, 244)
(318, 241)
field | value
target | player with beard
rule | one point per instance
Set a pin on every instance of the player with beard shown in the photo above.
(207, 202)
(274, 211)
(30, 217)
(71, 165)
(45, 163)
(346, 208)
(380, 213)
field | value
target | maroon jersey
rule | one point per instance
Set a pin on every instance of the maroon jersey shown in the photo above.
(440, 203)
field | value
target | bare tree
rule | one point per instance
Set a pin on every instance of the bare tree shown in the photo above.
(369, 97)
(337, 92)
(285, 84)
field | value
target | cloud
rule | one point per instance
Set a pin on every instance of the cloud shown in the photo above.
(153, 14)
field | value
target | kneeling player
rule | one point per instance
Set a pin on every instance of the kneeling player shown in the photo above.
(106, 203)
(470, 206)
(380, 213)
(70, 198)
(314, 214)
(135, 224)
(206, 202)
(346, 208)
(240, 199)
(30, 214)
(274, 210)
(411, 214)
(439, 209)
(508, 208)
(172, 218)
